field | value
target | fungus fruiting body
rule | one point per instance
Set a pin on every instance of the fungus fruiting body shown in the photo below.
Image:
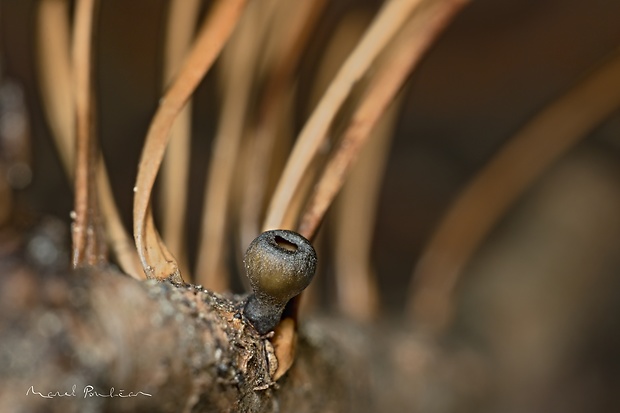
(280, 264)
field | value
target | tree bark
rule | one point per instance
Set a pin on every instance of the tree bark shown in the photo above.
(96, 340)
(80, 341)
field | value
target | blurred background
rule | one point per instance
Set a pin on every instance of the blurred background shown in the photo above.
(540, 297)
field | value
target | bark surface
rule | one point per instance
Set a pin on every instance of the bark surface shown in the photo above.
(96, 340)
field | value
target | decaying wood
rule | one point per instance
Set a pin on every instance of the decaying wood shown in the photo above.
(173, 347)
(71, 340)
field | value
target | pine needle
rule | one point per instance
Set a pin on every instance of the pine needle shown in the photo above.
(419, 33)
(156, 260)
(182, 18)
(390, 20)
(55, 81)
(88, 245)
(523, 158)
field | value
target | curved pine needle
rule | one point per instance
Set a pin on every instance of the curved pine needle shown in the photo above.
(88, 244)
(120, 243)
(283, 13)
(182, 18)
(293, 39)
(416, 38)
(238, 69)
(499, 184)
(351, 248)
(422, 30)
(54, 71)
(156, 260)
(389, 21)
(342, 42)
(356, 283)
(55, 80)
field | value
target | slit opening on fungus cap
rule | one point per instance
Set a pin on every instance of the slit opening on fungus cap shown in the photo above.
(285, 244)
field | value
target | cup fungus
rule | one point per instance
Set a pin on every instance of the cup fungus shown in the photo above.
(280, 264)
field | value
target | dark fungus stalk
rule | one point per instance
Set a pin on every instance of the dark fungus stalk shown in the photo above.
(280, 264)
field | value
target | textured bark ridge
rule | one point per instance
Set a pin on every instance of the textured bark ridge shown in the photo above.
(69, 340)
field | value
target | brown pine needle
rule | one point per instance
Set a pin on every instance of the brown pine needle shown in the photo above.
(419, 34)
(120, 243)
(155, 258)
(499, 184)
(357, 295)
(238, 68)
(422, 30)
(282, 13)
(389, 21)
(356, 283)
(182, 18)
(55, 79)
(55, 76)
(293, 39)
(88, 244)
(343, 41)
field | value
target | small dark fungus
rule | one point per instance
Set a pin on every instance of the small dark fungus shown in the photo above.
(280, 264)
